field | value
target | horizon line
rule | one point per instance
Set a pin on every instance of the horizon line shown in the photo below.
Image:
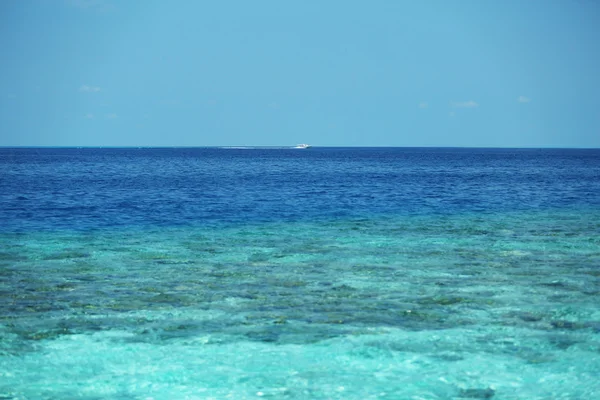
(283, 147)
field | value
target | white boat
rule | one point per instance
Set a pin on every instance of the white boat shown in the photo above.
(303, 146)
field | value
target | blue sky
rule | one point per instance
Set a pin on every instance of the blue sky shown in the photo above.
(502, 73)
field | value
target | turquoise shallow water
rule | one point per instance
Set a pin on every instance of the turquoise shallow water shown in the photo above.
(470, 305)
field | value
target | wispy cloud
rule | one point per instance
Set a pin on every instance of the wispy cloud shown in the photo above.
(423, 104)
(89, 116)
(111, 116)
(171, 102)
(523, 99)
(89, 89)
(464, 104)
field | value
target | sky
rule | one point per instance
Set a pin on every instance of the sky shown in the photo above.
(457, 73)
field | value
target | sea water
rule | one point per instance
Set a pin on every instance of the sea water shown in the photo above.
(323, 273)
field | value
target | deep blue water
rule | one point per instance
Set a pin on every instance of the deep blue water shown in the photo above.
(52, 188)
(326, 273)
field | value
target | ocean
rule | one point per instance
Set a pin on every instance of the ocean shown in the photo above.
(322, 273)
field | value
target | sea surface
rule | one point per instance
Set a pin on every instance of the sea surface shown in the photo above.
(325, 273)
